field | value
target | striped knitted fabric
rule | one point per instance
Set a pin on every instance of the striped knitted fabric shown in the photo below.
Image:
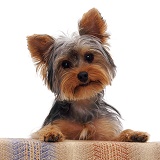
(28, 149)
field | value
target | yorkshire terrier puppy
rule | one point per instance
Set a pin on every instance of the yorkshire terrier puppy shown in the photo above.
(76, 70)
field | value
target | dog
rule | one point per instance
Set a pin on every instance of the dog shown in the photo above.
(77, 69)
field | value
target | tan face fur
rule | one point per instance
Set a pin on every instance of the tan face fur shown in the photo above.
(80, 78)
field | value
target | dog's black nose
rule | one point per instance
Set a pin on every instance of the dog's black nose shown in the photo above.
(83, 76)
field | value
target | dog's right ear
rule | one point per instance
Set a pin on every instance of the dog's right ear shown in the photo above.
(40, 47)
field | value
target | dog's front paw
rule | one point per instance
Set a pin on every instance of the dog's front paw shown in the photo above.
(133, 136)
(139, 137)
(49, 133)
(53, 137)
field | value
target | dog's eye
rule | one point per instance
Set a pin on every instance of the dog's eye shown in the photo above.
(66, 64)
(89, 57)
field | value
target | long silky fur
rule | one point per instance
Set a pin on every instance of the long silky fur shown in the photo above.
(98, 109)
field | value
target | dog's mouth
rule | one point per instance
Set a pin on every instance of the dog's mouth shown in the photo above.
(87, 84)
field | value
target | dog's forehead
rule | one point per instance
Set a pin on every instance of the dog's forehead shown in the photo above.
(76, 46)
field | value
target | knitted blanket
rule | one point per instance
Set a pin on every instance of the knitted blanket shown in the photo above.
(28, 149)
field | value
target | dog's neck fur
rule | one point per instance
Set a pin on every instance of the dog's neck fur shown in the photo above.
(84, 103)
(83, 109)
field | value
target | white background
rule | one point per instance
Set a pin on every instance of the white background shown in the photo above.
(134, 26)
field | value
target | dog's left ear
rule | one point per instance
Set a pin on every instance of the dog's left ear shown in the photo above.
(92, 23)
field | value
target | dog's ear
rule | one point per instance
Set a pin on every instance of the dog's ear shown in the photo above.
(92, 23)
(40, 47)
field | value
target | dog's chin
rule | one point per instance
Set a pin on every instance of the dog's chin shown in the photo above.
(84, 91)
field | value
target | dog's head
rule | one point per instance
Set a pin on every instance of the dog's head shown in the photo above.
(79, 67)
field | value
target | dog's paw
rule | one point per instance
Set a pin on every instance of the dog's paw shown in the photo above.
(49, 133)
(133, 136)
(139, 137)
(53, 137)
